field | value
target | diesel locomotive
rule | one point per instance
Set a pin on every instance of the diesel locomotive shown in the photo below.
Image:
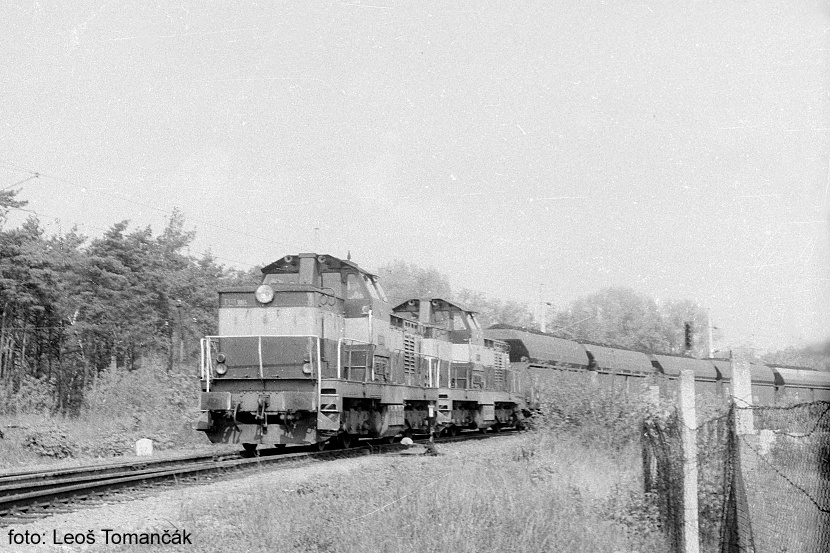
(316, 354)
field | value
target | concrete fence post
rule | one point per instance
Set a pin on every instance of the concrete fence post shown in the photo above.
(688, 428)
(738, 524)
(742, 392)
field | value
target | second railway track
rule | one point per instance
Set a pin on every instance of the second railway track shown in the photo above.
(29, 495)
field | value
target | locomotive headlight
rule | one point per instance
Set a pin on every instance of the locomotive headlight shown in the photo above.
(307, 368)
(264, 294)
(221, 369)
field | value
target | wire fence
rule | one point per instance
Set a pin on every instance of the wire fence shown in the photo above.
(786, 470)
(763, 492)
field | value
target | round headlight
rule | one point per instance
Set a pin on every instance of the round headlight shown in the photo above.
(264, 294)
(221, 369)
(220, 358)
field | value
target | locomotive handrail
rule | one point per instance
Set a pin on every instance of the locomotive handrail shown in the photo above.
(207, 360)
(433, 373)
(340, 342)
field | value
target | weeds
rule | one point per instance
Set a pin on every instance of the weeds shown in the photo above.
(122, 407)
(525, 496)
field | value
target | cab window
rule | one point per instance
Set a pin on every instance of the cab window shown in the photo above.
(354, 289)
(458, 322)
(380, 290)
(281, 278)
(371, 287)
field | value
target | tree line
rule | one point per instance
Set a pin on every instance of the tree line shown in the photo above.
(617, 317)
(70, 307)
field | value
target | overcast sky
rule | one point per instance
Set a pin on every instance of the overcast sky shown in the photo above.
(677, 148)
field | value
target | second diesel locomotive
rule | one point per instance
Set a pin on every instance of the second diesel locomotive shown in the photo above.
(315, 354)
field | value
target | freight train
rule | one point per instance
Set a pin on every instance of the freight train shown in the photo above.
(538, 356)
(316, 355)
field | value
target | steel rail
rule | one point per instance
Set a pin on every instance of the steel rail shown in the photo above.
(9, 478)
(21, 499)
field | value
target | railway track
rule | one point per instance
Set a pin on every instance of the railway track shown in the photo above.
(25, 496)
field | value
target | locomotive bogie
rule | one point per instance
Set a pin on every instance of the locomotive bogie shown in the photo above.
(302, 429)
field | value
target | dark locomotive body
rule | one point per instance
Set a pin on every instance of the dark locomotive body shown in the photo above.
(315, 353)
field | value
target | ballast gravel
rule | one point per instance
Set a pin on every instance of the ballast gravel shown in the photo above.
(159, 511)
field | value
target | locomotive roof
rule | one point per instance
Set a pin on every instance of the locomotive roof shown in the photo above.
(330, 260)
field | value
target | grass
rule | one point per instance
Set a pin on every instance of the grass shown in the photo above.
(529, 493)
(572, 484)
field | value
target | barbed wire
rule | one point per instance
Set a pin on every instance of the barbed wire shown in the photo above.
(784, 476)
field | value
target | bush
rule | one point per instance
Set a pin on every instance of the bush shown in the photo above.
(48, 441)
(32, 396)
(599, 415)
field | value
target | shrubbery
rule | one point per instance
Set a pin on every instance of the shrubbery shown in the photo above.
(596, 413)
(32, 396)
(49, 441)
(121, 408)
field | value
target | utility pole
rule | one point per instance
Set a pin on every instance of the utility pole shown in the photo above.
(181, 332)
(709, 330)
(541, 309)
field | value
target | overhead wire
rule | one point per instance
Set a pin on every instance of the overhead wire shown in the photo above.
(37, 174)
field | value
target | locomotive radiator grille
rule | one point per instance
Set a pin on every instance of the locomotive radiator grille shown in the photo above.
(409, 353)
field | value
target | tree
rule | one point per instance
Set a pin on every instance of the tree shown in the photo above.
(403, 281)
(613, 316)
(8, 201)
(813, 357)
(495, 311)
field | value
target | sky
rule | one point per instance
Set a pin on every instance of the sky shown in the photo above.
(676, 148)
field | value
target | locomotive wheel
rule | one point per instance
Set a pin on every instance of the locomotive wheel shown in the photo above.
(320, 446)
(250, 449)
(452, 431)
(496, 428)
(346, 440)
